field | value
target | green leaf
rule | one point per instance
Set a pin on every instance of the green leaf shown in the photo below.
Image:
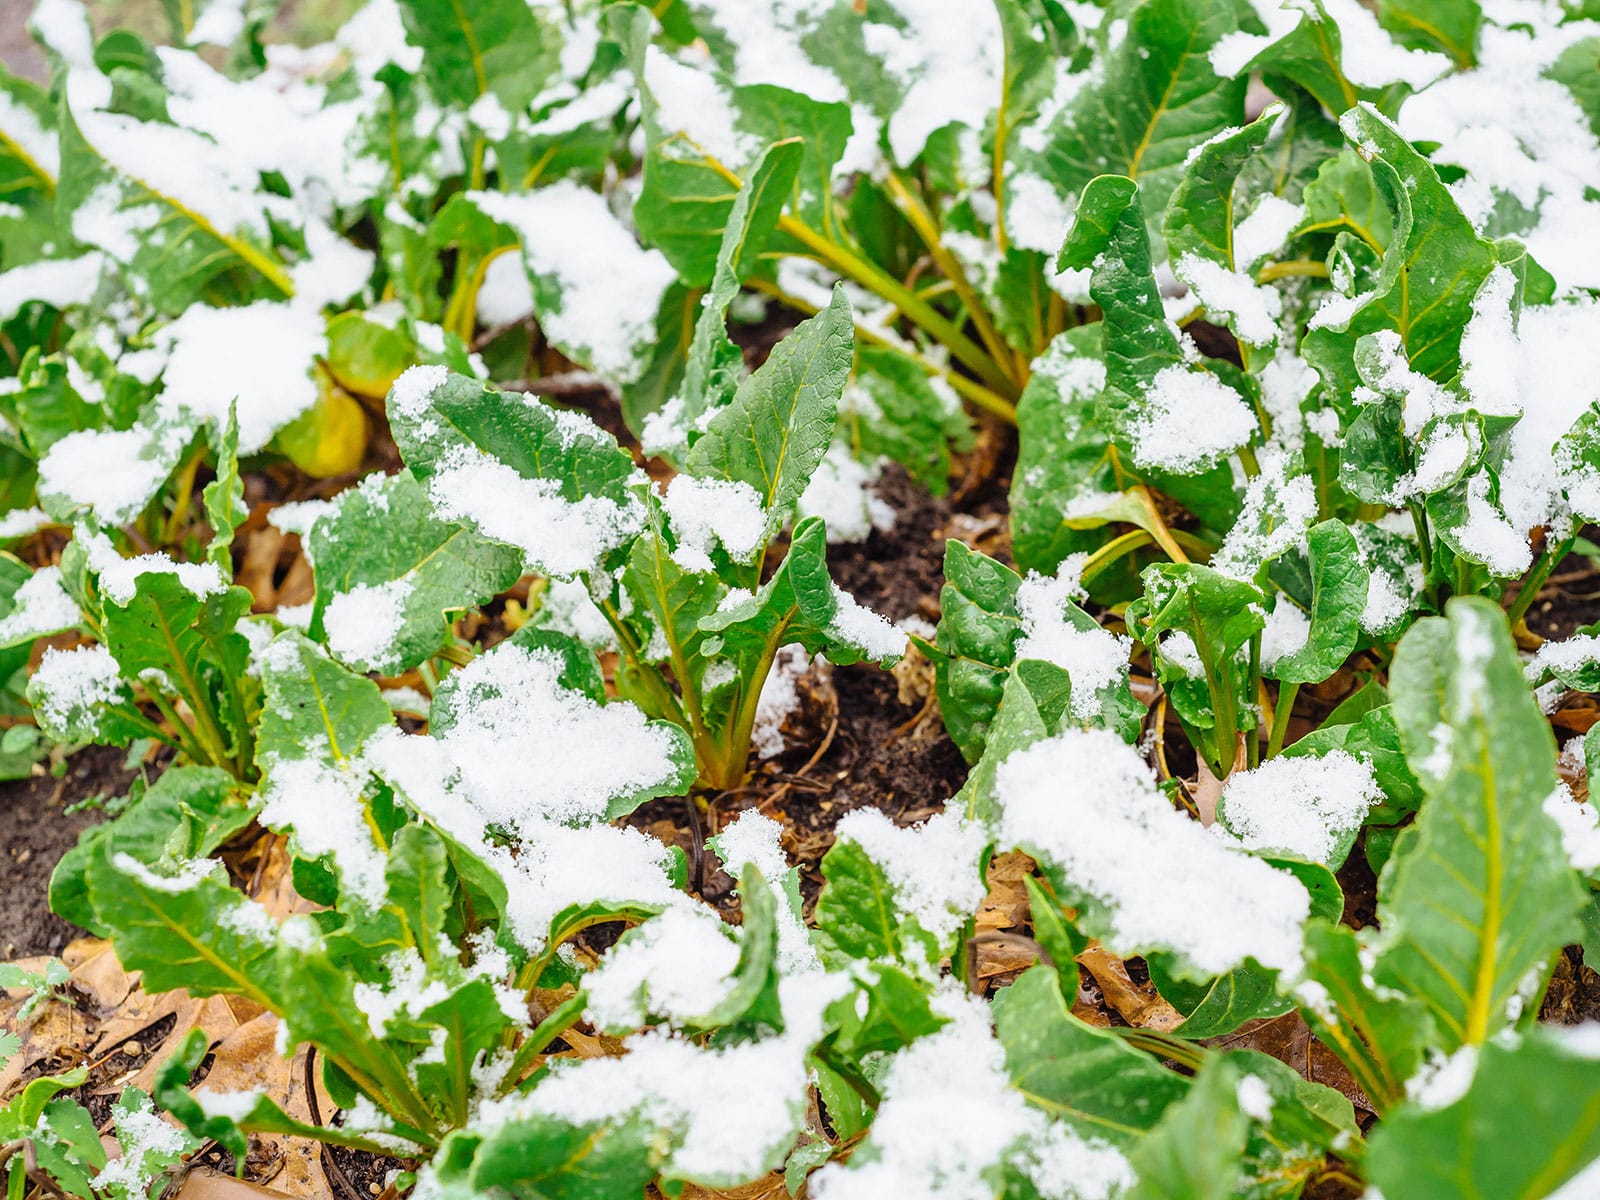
(1339, 596)
(1484, 894)
(192, 930)
(501, 48)
(711, 374)
(895, 409)
(73, 1151)
(1449, 26)
(384, 562)
(976, 640)
(1108, 236)
(313, 706)
(1382, 1037)
(21, 1113)
(543, 1156)
(675, 601)
(1290, 1147)
(1020, 721)
(43, 609)
(1197, 1151)
(857, 915)
(1202, 212)
(1063, 452)
(1311, 56)
(1199, 226)
(1579, 69)
(776, 114)
(1431, 271)
(1054, 930)
(181, 255)
(459, 434)
(797, 604)
(752, 1007)
(24, 137)
(777, 428)
(418, 885)
(1155, 96)
(186, 814)
(223, 497)
(1219, 612)
(1536, 1093)
(192, 647)
(1138, 343)
(1091, 1079)
(1219, 1007)
(686, 195)
(171, 1092)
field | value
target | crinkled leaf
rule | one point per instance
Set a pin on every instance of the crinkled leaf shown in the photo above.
(200, 934)
(1339, 595)
(1431, 271)
(978, 630)
(1156, 94)
(857, 914)
(463, 418)
(1062, 451)
(711, 374)
(383, 558)
(186, 814)
(180, 254)
(895, 409)
(500, 48)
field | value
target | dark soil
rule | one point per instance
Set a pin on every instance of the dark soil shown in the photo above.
(357, 1175)
(35, 831)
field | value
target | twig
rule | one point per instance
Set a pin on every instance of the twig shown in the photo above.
(330, 1165)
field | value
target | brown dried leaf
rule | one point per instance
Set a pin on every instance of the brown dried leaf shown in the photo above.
(205, 1184)
(259, 569)
(1140, 1005)
(1289, 1040)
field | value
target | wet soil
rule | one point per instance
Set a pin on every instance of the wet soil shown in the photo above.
(35, 831)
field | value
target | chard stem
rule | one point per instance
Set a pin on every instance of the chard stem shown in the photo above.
(1280, 717)
(851, 265)
(1535, 579)
(916, 212)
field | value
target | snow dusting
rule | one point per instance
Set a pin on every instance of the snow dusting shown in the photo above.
(1080, 799)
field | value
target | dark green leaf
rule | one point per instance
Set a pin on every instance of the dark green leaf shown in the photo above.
(780, 421)
(1089, 1078)
(384, 562)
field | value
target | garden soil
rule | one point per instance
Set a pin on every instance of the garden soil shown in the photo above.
(35, 831)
